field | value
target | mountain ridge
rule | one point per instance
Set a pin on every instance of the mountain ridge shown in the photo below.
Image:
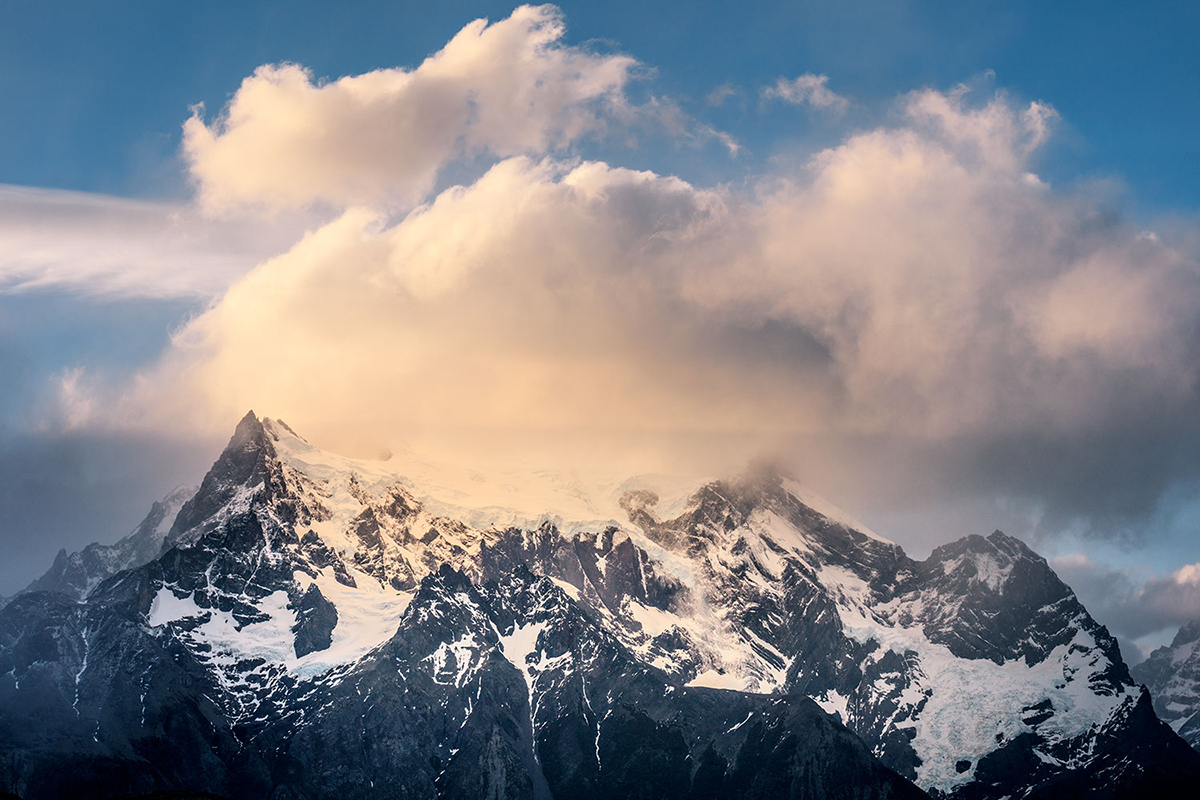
(1172, 673)
(975, 673)
(77, 574)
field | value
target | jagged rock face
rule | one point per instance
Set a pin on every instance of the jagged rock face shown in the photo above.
(328, 627)
(316, 618)
(1173, 676)
(932, 662)
(248, 475)
(95, 704)
(509, 691)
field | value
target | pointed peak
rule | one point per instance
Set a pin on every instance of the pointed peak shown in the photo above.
(996, 543)
(1188, 633)
(446, 580)
(453, 578)
(179, 495)
(251, 440)
(974, 543)
(243, 463)
(447, 584)
(254, 436)
(1012, 546)
(249, 429)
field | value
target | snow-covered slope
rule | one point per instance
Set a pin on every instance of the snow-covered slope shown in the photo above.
(1173, 676)
(975, 673)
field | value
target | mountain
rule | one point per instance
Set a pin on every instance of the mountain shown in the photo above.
(1173, 676)
(318, 626)
(77, 574)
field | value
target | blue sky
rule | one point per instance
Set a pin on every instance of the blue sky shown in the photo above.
(94, 94)
(121, 241)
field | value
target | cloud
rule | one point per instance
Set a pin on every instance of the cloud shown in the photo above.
(529, 299)
(116, 247)
(913, 297)
(996, 134)
(1176, 597)
(719, 95)
(1133, 608)
(808, 89)
(726, 140)
(506, 88)
(912, 313)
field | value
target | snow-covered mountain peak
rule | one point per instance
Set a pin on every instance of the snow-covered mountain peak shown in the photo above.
(1172, 674)
(294, 570)
(267, 456)
(987, 560)
(1187, 634)
(510, 496)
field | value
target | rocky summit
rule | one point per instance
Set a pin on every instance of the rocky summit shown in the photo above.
(305, 625)
(1172, 674)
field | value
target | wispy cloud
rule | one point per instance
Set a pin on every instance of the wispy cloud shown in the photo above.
(808, 89)
(113, 246)
(719, 95)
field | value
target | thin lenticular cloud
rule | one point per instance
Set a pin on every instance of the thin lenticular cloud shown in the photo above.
(117, 247)
(506, 88)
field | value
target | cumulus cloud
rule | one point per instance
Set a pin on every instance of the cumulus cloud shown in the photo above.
(1176, 597)
(807, 89)
(534, 298)
(912, 311)
(100, 245)
(997, 134)
(914, 288)
(505, 88)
